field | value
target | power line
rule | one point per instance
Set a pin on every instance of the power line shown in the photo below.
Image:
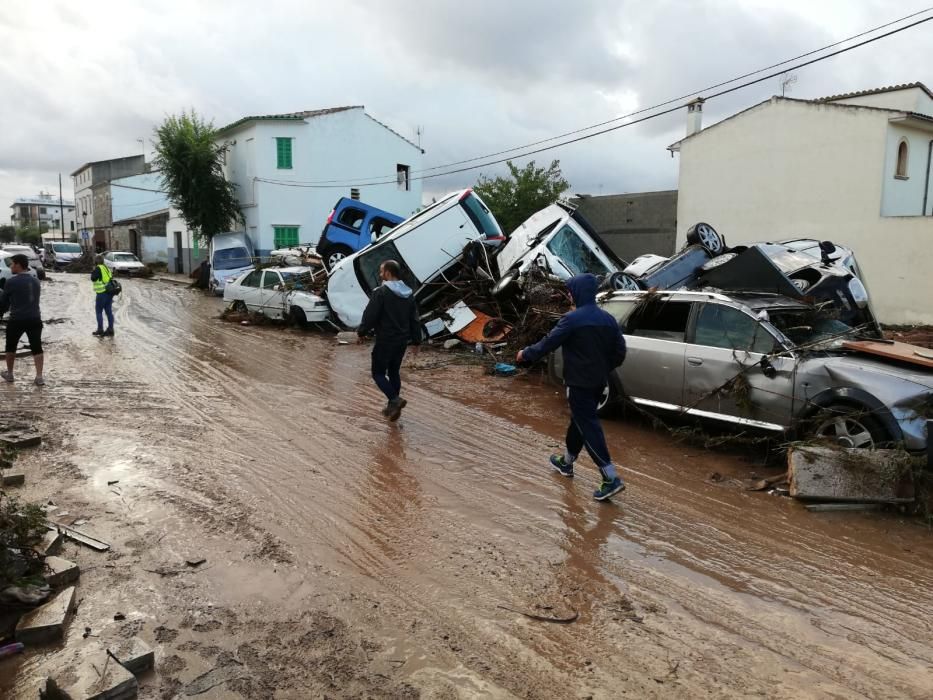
(612, 128)
(390, 179)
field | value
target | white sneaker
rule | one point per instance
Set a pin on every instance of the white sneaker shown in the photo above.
(40, 381)
(7, 376)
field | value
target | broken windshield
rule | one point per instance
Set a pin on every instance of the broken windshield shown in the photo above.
(811, 327)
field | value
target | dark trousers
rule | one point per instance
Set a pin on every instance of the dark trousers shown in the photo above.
(104, 304)
(387, 361)
(33, 330)
(585, 429)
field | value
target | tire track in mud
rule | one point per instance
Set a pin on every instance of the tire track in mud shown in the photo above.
(450, 513)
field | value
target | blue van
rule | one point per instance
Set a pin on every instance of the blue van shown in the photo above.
(351, 226)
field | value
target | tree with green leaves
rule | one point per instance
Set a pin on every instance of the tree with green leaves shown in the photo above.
(526, 190)
(191, 163)
(7, 233)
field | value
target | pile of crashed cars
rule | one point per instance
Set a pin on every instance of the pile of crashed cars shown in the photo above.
(769, 337)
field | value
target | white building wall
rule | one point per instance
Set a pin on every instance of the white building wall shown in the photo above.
(344, 146)
(905, 197)
(793, 169)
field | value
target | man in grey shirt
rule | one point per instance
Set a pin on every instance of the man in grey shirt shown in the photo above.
(20, 296)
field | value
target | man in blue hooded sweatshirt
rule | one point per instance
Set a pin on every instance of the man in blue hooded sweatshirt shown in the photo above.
(593, 346)
(393, 314)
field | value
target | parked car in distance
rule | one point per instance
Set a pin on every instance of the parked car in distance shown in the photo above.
(6, 270)
(559, 240)
(35, 262)
(277, 292)
(685, 347)
(351, 226)
(230, 254)
(123, 263)
(425, 245)
(59, 254)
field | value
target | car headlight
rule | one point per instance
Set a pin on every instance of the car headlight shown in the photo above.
(228, 280)
(859, 293)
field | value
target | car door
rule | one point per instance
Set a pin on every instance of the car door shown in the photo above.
(248, 290)
(272, 294)
(724, 377)
(653, 371)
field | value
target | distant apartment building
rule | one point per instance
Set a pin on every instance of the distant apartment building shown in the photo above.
(93, 200)
(51, 216)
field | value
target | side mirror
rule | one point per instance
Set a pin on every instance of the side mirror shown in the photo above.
(277, 288)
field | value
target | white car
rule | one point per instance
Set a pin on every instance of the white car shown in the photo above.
(6, 271)
(35, 262)
(123, 263)
(558, 240)
(277, 292)
(425, 245)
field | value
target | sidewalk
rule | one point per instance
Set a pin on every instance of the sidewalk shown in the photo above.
(172, 277)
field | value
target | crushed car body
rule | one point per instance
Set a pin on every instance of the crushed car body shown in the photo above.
(278, 293)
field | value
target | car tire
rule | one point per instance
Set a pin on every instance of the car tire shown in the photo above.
(40, 274)
(334, 254)
(239, 306)
(713, 263)
(297, 317)
(620, 281)
(849, 425)
(708, 237)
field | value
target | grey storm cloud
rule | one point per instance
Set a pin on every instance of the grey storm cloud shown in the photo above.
(85, 82)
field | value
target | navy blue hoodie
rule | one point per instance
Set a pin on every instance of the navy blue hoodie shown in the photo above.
(592, 342)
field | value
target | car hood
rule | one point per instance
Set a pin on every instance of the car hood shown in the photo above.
(223, 275)
(523, 240)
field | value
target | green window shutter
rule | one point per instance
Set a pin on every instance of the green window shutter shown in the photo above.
(283, 153)
(285, 236)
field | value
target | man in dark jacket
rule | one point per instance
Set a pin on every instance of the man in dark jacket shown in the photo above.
(21, 296)
(392, 314)
(593, 346)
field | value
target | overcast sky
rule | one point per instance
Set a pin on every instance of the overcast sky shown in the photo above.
(82, 81)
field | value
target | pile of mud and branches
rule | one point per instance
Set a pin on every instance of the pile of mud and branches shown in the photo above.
(915, 335)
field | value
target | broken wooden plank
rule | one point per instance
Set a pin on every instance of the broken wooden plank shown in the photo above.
(901, 352)
(80, 537)
(831, 473)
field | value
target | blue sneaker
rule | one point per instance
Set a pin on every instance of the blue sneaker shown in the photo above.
(608, 489)
(557, 461)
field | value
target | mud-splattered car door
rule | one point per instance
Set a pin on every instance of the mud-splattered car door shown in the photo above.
(733, 371)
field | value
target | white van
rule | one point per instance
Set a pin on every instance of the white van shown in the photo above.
(231, 254)
(424, 245)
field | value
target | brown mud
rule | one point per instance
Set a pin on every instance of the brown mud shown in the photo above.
(348, 557)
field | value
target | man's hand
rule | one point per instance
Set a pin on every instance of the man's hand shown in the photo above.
(519, 357)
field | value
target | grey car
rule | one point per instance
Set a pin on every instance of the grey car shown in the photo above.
(766, 362)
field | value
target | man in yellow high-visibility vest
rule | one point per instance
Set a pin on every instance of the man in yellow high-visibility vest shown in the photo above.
(100, 276)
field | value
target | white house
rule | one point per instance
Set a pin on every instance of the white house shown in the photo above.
(46, 209)
(290, 169)
(854, 169)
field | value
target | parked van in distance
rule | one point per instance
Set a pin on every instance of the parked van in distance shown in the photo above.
(425, 245)
(231, 254)
(351, 226)
(59, 254)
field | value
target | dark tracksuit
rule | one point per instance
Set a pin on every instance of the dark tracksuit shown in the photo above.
(21, 297)
(593, 346)
(392, 314)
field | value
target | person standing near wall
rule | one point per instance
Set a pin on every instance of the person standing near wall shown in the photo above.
(100, 277)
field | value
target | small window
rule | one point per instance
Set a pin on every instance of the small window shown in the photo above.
(403, 173)
(574, 253)
(285, 236)
(42, 210)
(620, 309)
(902, 153)
(352, 218)
(724, 327)
(252, 279)
(271, 279)
(380, 227)
(663, 320)
(72, 225)
(283, 153)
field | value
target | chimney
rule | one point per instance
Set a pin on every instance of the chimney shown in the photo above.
(695, 116)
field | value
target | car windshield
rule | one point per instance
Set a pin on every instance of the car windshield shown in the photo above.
(66, 247)
(125, 257)
(811, 328)
(481, 217)
(575, 254)
(232, 258)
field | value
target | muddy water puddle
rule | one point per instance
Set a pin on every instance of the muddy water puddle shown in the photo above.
(351, 557)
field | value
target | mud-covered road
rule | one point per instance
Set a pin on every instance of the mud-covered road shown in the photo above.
(347, 557)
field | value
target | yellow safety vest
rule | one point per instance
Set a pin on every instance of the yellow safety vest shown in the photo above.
(100, 286)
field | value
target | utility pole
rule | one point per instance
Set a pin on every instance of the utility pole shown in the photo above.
(61, 209)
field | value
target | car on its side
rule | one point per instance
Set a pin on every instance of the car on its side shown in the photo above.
(686, 348)
(6, 269)
(60, 254)
(123, 263)
(35, 262)
(279, 293)
(351, 226)
(425, 245)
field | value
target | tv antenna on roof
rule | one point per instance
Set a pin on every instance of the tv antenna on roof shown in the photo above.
(787, 80)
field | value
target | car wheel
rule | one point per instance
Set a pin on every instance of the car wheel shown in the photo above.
(850, 426)
(620, 281)
(239, 306)
(40, 274)
(297, 317)
(713, 263)
(334, 254)
(706, 236)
